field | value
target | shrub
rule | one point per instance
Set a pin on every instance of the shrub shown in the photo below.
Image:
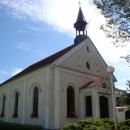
(127, 122)
(124, 128)
(73, 126)
(102, 124)
(12, 126)
(84, 123)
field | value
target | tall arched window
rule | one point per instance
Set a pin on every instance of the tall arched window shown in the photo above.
(16, 103)
(3, 107)
(70, 102)
(35, 102)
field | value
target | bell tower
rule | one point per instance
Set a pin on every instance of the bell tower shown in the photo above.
(80, 26)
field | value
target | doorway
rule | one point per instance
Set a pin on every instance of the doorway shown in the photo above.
(104, 109)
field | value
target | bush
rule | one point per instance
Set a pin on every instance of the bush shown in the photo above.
(102, 124)
(12, 126)
(84, 123)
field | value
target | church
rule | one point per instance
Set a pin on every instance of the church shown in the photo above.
(67, 86)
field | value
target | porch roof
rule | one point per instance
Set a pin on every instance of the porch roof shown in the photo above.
(92, 83)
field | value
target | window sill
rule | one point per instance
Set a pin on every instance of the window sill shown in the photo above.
(15, 115)
(34, 115)
(71, 117)
(2, 115)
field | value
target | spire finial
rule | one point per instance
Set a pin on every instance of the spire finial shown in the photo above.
(79, 4)
(80, 26)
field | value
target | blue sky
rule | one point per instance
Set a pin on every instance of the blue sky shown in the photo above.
(32, 30)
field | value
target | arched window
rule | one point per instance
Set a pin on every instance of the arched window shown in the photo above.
(70, 102)
(3, 107)
(16, 103)
(35, 102)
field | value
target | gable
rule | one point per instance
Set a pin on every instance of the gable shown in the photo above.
(85, 58)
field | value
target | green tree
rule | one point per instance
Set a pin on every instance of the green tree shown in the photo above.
(117, 14)
(124, 100)
(128, 84)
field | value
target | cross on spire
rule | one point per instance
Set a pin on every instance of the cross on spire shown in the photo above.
(79, 3)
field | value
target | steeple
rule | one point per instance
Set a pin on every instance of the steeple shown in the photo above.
(80, 26)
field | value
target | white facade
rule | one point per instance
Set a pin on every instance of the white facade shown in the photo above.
(52, 81)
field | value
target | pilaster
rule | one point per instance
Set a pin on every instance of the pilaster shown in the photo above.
(24, 95)
(8, 102)
(46, 125)
(57, 97)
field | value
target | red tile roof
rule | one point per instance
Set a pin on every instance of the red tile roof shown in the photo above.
(93, 83)
(40, 64)
(87, 84)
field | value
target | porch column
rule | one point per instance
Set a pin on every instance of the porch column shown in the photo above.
(95, 104)
(57, 98)
(82, 105)
(110, 107)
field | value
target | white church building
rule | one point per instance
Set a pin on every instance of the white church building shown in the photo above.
(67, 86)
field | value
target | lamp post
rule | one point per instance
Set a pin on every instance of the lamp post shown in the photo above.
(111, 70)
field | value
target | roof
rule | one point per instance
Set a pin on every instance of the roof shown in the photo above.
(80, 17)
(92, 83)
(40, 64)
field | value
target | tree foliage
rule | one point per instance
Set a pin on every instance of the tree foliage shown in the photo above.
(117, 27)
(124, 100)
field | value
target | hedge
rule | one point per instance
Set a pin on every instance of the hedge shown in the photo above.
(12, 126)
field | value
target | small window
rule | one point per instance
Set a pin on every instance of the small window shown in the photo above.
(3, 107)
(88, 65)
(88, 50)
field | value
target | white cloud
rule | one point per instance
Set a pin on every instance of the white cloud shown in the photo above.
(61, 15)
(15, 71)
(23, 46)
(2, 72)
(34, 28)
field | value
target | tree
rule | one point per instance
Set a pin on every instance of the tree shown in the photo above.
(124, 100)
(117, 27)
(128, 84)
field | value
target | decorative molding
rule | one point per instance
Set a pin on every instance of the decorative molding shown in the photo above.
(35, 84)
(104, 94)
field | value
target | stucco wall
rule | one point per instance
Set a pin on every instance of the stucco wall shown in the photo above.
(76, 81)
(25, 86)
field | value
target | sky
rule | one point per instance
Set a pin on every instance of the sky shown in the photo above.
(31, 30)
